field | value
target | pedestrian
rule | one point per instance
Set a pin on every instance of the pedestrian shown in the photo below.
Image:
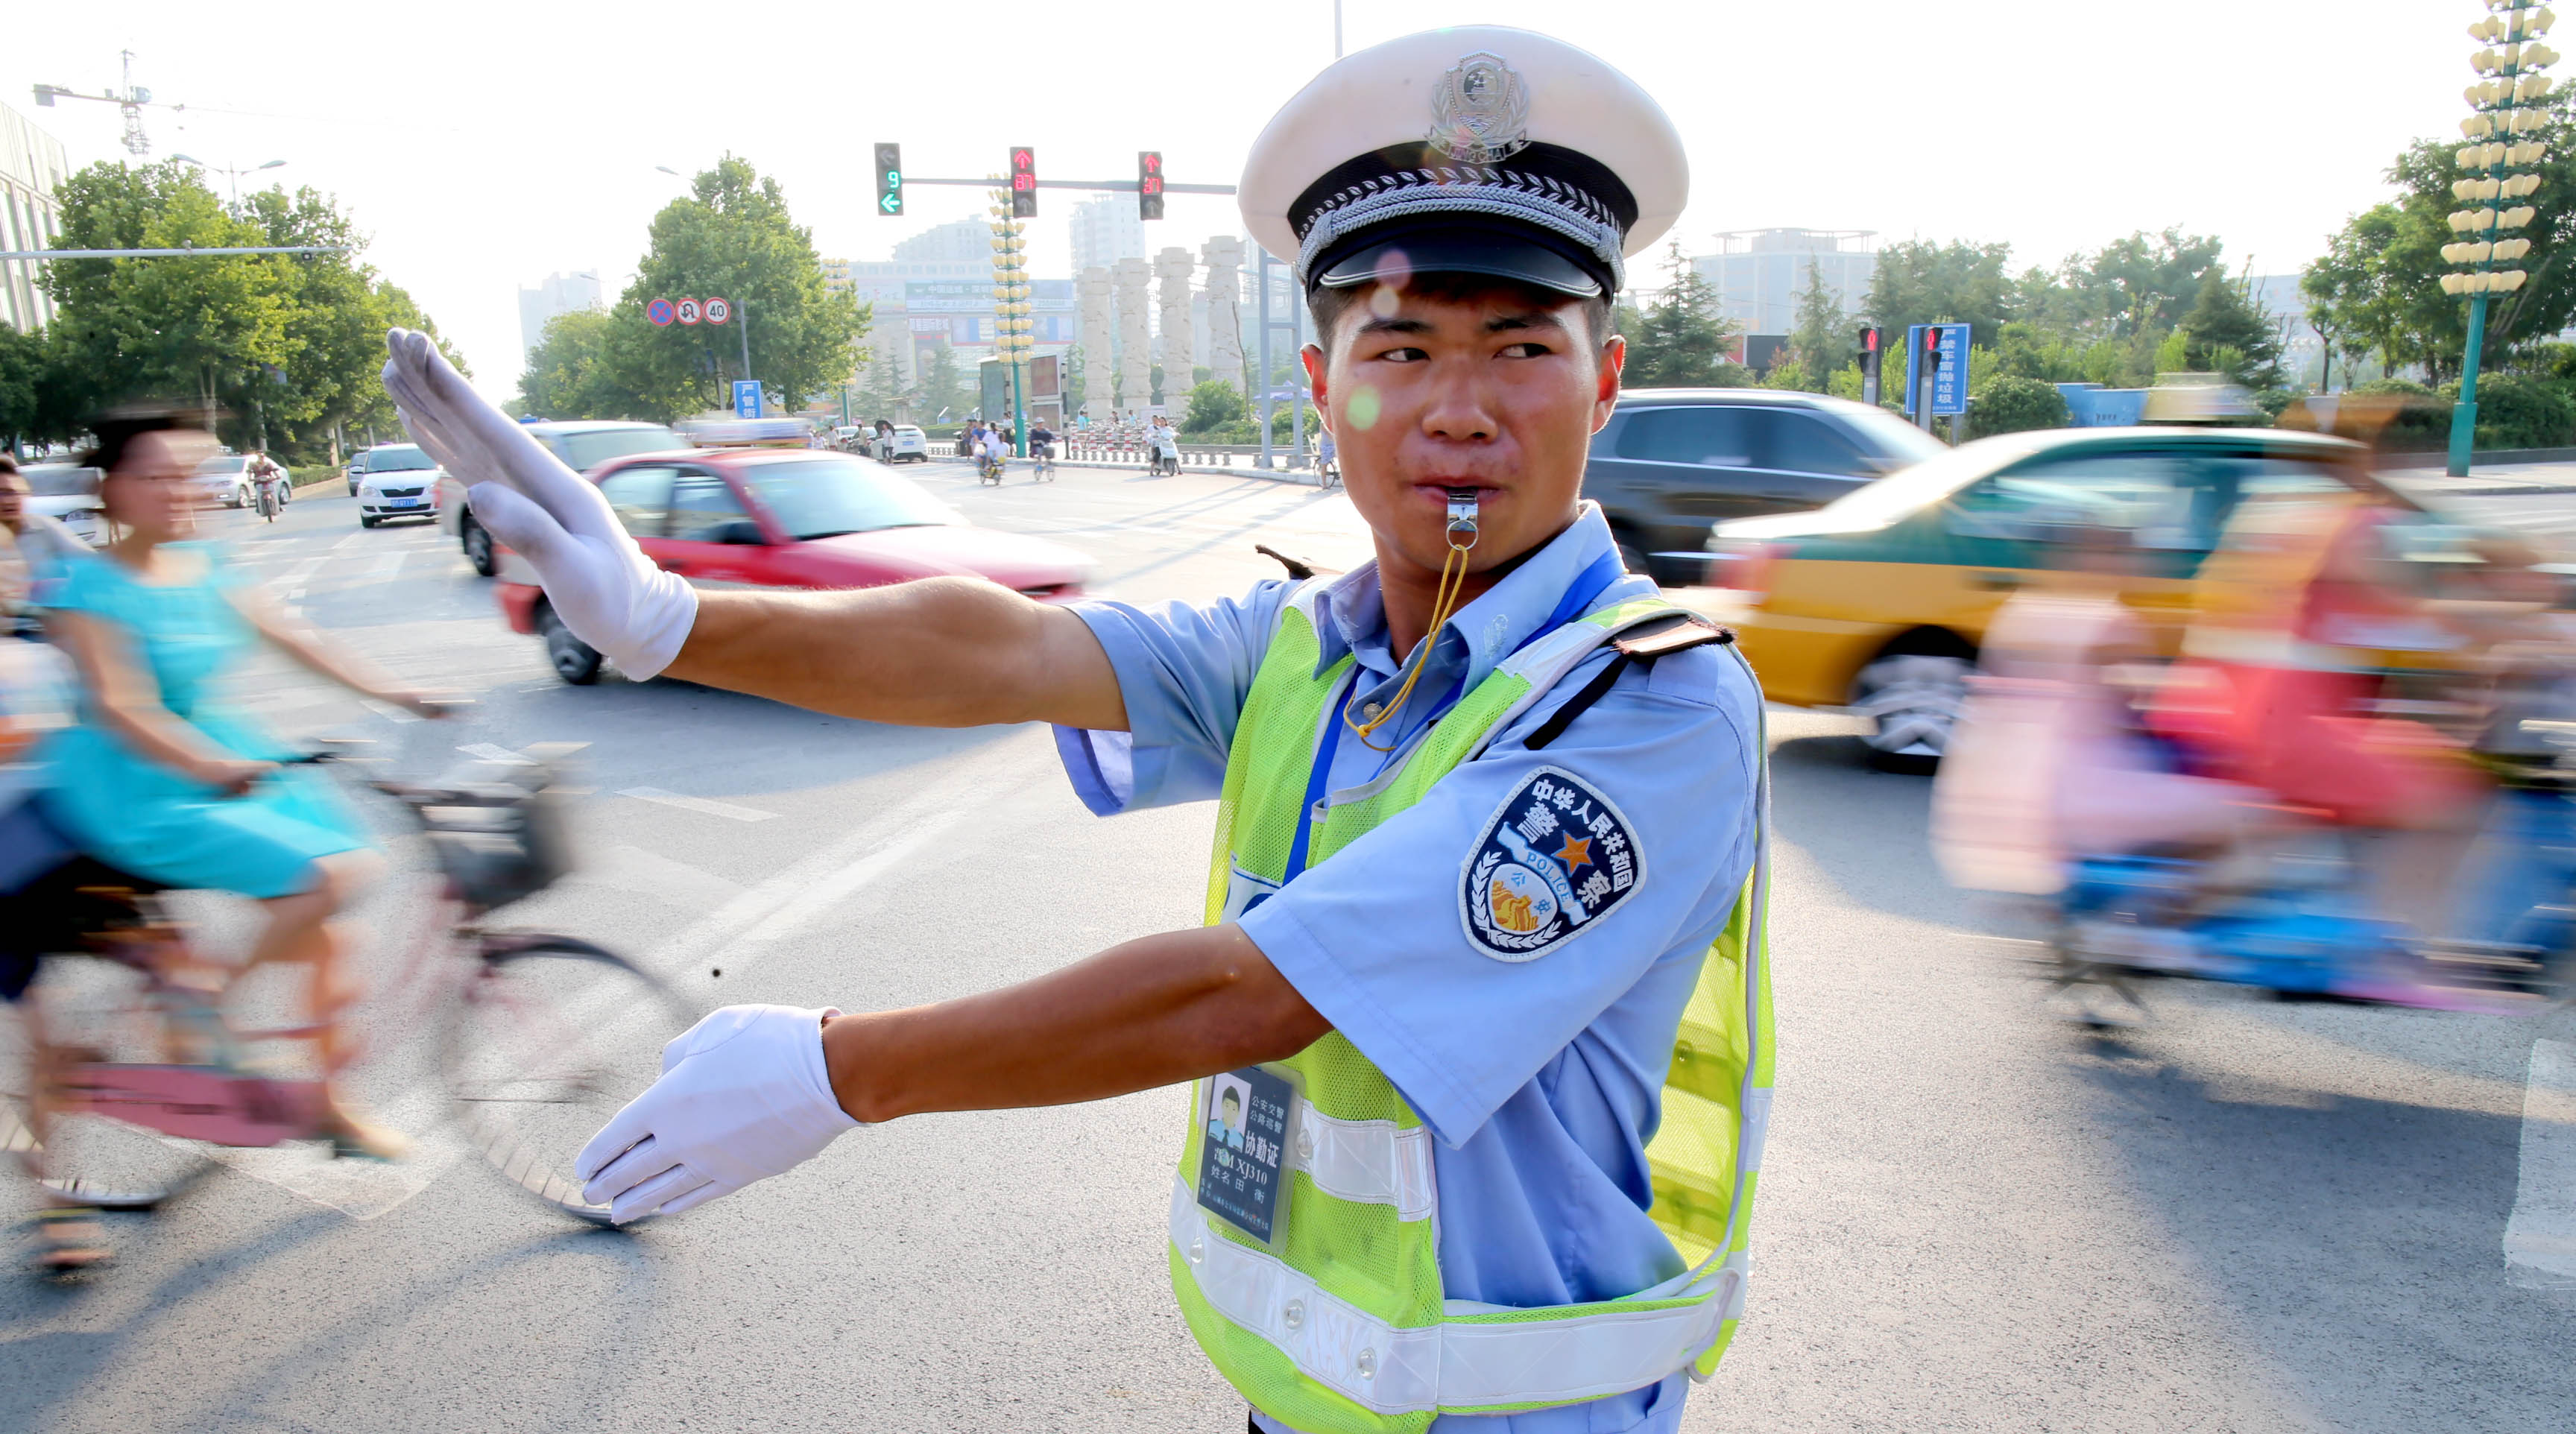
(1489, 828)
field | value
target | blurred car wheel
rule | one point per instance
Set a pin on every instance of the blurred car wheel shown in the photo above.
(478, 547)
(576, 661)
(1912, 701)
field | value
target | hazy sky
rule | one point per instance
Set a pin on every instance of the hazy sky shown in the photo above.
(483, 145)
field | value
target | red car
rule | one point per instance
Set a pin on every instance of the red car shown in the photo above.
(788, 518)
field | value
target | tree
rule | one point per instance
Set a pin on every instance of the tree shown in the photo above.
(1921, 282)
(579, 370)
(2379, 287)
(1678, 340)
(1822, 337)
(283, 348)
(2225, 333)
(882, 393)
(734, 237)
(945, 395)
(1214, 404)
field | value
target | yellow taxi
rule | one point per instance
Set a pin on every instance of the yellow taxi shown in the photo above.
(1877, 603)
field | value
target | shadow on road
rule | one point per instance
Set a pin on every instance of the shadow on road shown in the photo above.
(2358, 1240)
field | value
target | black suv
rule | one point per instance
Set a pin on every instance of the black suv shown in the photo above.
(1673, 461)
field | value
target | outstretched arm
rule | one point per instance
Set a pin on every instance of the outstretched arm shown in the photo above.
(1142, 1014)
(942, 652)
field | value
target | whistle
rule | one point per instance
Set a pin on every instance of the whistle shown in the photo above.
(1462, 518)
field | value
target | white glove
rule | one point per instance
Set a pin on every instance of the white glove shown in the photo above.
(743, 1096)
(599, 582)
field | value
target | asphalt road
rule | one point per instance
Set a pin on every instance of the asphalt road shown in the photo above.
(2245, 1216)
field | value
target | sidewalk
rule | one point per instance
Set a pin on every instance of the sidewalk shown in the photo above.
(2486, 480)
(1304, 477)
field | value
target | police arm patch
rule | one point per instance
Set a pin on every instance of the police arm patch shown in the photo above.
(1555, 858)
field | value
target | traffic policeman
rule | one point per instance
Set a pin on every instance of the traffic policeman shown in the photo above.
(1477, 1026)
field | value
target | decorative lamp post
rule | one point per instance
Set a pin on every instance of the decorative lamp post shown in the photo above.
(1011, 326)
(2507, 104)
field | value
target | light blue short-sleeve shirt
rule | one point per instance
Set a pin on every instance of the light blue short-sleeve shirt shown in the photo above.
(1541, 1078)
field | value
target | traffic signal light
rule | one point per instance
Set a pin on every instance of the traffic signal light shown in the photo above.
(1871, 361)
(1931, 346)
(1024, 182)
(1149, 184)
(889, 179)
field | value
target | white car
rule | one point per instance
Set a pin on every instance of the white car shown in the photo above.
(397, 484)
(582, 444)
(225, 479)
(68, 494)
(905, 445)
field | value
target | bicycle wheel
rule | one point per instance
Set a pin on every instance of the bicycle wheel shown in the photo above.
(93, 1010)
(552, 1037)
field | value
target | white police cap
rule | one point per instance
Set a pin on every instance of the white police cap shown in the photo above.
(1477, 149)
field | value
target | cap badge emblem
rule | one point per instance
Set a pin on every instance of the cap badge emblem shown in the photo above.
(1480, 111)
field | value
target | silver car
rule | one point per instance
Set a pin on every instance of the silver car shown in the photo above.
(582, 444)
(397, 483)
(68, 494)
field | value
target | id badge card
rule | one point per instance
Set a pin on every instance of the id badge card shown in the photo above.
(1247, 1126)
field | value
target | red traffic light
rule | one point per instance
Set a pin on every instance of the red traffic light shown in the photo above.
(1931, 338)
(1869, 340)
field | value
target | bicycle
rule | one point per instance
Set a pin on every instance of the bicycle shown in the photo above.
(988, 469)
(1042, 462)
(128, 1072)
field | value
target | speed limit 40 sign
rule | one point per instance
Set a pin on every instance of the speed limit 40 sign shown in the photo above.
(687, 311)
(717, 311)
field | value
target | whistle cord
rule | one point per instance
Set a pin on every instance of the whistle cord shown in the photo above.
(1444, 605)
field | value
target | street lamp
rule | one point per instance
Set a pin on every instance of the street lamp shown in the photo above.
(231, 170)
(2508, 104)
(1011, 323)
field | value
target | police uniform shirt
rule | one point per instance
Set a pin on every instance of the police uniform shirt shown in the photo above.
(1540, 1077)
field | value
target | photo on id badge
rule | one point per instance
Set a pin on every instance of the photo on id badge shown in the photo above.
(1246, 1118)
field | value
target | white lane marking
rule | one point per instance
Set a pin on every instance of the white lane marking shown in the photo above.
(361, 536)
(294, 578)
(834, 889)
(359, 1189)
(832, 864)
(633, 869)
(2540, 1234)
(387, 566)
(490, 753)
(700, 805)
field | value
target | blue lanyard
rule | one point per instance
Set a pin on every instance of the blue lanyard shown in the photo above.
(1579, 597)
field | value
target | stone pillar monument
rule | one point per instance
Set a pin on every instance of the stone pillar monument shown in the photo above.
(1224, 256)
(1175, 266)
(1097, 370)
(1135, 340)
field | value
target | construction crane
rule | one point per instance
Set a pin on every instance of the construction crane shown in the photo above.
(131, 100)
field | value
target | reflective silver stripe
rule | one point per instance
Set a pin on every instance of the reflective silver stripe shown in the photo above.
(1457, 1364)
(1368, 1161)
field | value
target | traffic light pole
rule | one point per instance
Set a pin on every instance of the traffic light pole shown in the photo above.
(1108, 186)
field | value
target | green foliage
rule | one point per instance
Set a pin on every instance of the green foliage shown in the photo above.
(2224, 333)
(1214, 404)
(1821, 338)
(1677, 339)
(1788, 373)
(1919, 281)
(2011, 403)
(732, 237)
(882, 393)
(946, 394)
(2378, 289)
(2423, 422)
(579, 369)
(2516, 411)
(285, 348)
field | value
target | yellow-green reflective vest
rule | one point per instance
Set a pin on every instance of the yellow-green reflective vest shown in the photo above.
(1343, 1328)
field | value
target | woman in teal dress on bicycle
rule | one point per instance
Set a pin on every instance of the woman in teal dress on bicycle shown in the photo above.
(158, 777)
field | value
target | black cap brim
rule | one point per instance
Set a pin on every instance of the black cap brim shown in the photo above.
(1394, 253)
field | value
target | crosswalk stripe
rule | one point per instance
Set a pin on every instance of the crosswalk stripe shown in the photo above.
(701, 805)
(2540, 1234)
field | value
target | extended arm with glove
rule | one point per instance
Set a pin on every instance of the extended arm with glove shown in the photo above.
(598, 581)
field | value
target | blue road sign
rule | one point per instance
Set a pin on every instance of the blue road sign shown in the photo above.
(1950, 380)
(746, 398)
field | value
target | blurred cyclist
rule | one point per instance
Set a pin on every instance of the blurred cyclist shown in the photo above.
(157, 777)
